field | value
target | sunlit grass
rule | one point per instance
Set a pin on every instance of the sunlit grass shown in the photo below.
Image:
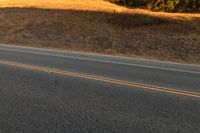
(91, 5)
(60, 4)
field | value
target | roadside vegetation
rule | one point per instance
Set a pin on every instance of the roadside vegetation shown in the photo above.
(163, 5)
(102, 27)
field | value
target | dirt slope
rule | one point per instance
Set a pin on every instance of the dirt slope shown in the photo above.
(102, 28)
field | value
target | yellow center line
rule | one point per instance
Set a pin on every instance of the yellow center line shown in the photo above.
(102, 79)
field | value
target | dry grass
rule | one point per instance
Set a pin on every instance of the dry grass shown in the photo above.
(61, 4)
(88, 26)
(89, 5)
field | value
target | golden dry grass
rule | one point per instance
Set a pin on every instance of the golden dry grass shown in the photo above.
(99, 26)
(61, 4)
(90, 5)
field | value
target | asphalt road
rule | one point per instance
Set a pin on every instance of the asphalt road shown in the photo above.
(39, 101)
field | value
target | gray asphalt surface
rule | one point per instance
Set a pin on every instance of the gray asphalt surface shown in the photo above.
(32, 101)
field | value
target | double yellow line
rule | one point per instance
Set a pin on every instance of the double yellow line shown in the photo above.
(102, 79)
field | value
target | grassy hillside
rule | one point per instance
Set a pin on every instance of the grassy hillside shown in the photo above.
(60, 4)
(99, 26)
